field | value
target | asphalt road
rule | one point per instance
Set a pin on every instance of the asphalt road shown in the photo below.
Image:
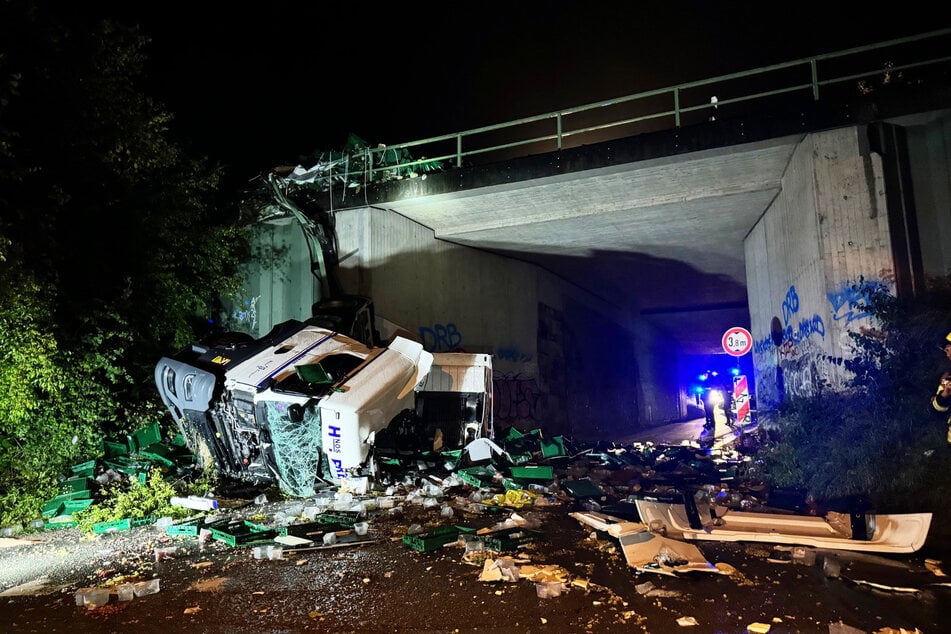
(386, 586)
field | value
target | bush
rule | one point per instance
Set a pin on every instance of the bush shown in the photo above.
(130, 498)
(879, 438)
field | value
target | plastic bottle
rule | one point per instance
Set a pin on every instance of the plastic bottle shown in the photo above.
(195, 502)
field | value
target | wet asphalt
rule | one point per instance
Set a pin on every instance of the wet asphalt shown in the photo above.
(386, 586)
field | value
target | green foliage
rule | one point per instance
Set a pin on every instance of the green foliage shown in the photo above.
(879, 438)
(132, 499)
(113, 242)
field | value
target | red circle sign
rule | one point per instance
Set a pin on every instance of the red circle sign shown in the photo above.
(737, 341)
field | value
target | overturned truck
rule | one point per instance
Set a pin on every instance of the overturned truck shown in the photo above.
(305, 403)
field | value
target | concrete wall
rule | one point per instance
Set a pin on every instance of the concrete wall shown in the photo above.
(823, 234)
(278, 282)
(563, 360)
(929, 150)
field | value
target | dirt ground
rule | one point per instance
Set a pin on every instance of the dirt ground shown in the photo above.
(383, 585)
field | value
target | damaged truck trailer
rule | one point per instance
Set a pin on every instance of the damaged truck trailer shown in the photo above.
(305, 404)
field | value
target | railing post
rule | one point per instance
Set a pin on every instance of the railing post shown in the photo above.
(368, 161)
(815, 80)
(458, 150)
(558, 128)
(677, 107)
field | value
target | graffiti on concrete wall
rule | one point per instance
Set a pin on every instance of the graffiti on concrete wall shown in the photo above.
(244, 316)
(763, 345)
(849, 300)
(813, 371)
(513, 354)
(800, 364)
(790, 304)
(441, 338)
(516, 398)
(798, 329)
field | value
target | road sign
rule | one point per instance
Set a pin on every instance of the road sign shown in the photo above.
(741, 399)
(737, 341)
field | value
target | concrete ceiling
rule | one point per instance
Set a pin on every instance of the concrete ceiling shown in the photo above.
(662, 237)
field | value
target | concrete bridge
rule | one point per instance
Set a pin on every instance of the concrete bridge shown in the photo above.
(600, 275)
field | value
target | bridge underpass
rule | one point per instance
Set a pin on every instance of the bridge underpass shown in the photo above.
(662, 238)
(657, 227)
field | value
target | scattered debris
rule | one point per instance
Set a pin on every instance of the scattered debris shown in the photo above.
(646, 551)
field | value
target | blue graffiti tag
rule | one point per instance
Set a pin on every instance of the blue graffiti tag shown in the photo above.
(440, 338)
(763, 345)
(511, 353)
(790, 304)
(805, 329)
(849, 302)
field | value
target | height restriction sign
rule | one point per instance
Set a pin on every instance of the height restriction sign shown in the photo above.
(737, 341)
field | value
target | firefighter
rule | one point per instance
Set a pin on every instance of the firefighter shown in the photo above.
(718, 394)
(941, 401)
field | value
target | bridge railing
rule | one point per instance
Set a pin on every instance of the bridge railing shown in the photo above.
(842, 74)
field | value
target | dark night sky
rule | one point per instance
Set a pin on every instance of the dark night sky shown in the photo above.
(255, 87)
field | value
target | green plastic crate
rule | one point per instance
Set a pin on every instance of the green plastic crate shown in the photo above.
(74, 506)
(126, 465)
(53, 507)
(121, 525)
(468, 478)
(436, 538)
(115, 525)
(112, 449)
(533, 473)
(312, 530)
(157, 453)
(75, 485)
(56, 524)
(510, 539)
(190, 527)
(144, 436)
(85, 470)
(554, 447)
(477, 476)
(66, 497)
(346, 518)
(240, 533)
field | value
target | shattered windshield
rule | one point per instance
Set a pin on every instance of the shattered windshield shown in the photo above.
(295, 433)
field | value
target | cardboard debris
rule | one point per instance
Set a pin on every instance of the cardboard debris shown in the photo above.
(934, 566)
(293, 540)
(501, 569)
(548, 572)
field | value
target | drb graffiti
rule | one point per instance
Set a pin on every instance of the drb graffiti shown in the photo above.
(440, 338)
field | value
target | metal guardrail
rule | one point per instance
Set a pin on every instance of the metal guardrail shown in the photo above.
(674, 106)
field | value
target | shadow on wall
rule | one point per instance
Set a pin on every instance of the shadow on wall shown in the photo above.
(587, 376)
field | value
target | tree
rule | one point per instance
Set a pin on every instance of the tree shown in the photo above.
(113, 241)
